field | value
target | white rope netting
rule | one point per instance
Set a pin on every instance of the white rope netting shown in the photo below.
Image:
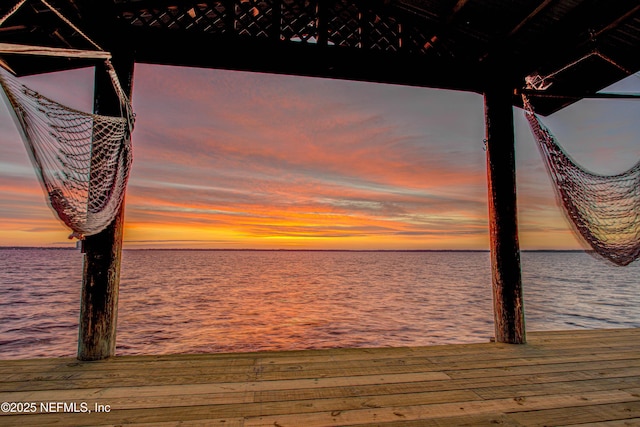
(604, 210)
(83, 160)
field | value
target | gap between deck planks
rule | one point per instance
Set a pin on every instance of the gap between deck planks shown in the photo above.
(582, 377)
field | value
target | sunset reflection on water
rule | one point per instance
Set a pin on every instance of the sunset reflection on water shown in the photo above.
(236, 301)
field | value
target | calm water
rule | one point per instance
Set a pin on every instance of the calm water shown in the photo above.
(220, 301)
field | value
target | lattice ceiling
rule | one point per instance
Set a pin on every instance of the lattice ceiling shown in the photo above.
(436, 43)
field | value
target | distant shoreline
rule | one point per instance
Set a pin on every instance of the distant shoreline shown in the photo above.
(287, 250)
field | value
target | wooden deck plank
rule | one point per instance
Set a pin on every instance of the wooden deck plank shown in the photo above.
(229, 381)
(282, 390)
(66, 371)
(491, 388)
(130, 369)
(328, 412)
(425, 412)
(564, 377)
(598, 413)
(535, 369)
(503, 391)
(627, 422)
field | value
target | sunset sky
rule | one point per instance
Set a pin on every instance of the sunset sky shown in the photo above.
(228, 159)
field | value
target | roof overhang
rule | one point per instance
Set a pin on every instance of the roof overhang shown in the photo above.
(583, 45)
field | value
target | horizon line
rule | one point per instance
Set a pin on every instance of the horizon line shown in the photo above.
(285, 249)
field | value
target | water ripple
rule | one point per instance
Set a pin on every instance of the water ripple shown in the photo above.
(221, 301)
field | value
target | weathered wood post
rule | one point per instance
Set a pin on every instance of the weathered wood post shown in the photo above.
(503, 224)
(101, 271)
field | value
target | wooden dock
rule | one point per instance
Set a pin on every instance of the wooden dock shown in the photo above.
(584, 378)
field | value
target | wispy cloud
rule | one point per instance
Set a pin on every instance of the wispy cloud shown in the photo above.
(232, 159)
(266, 156)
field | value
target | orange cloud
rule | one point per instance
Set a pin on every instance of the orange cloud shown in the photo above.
(229, 159)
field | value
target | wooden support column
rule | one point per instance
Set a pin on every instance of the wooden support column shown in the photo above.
(101, 271)
(503, 224)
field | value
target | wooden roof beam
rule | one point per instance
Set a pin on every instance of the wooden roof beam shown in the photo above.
(558, 45)
(413, 8)
(441, 22)
(617, 21)
(529, 17)
(448, 20)
(13, 28)
(165, 47)
(577, 37)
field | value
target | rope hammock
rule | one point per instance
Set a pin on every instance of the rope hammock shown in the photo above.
(604, 210)
(82, 160)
